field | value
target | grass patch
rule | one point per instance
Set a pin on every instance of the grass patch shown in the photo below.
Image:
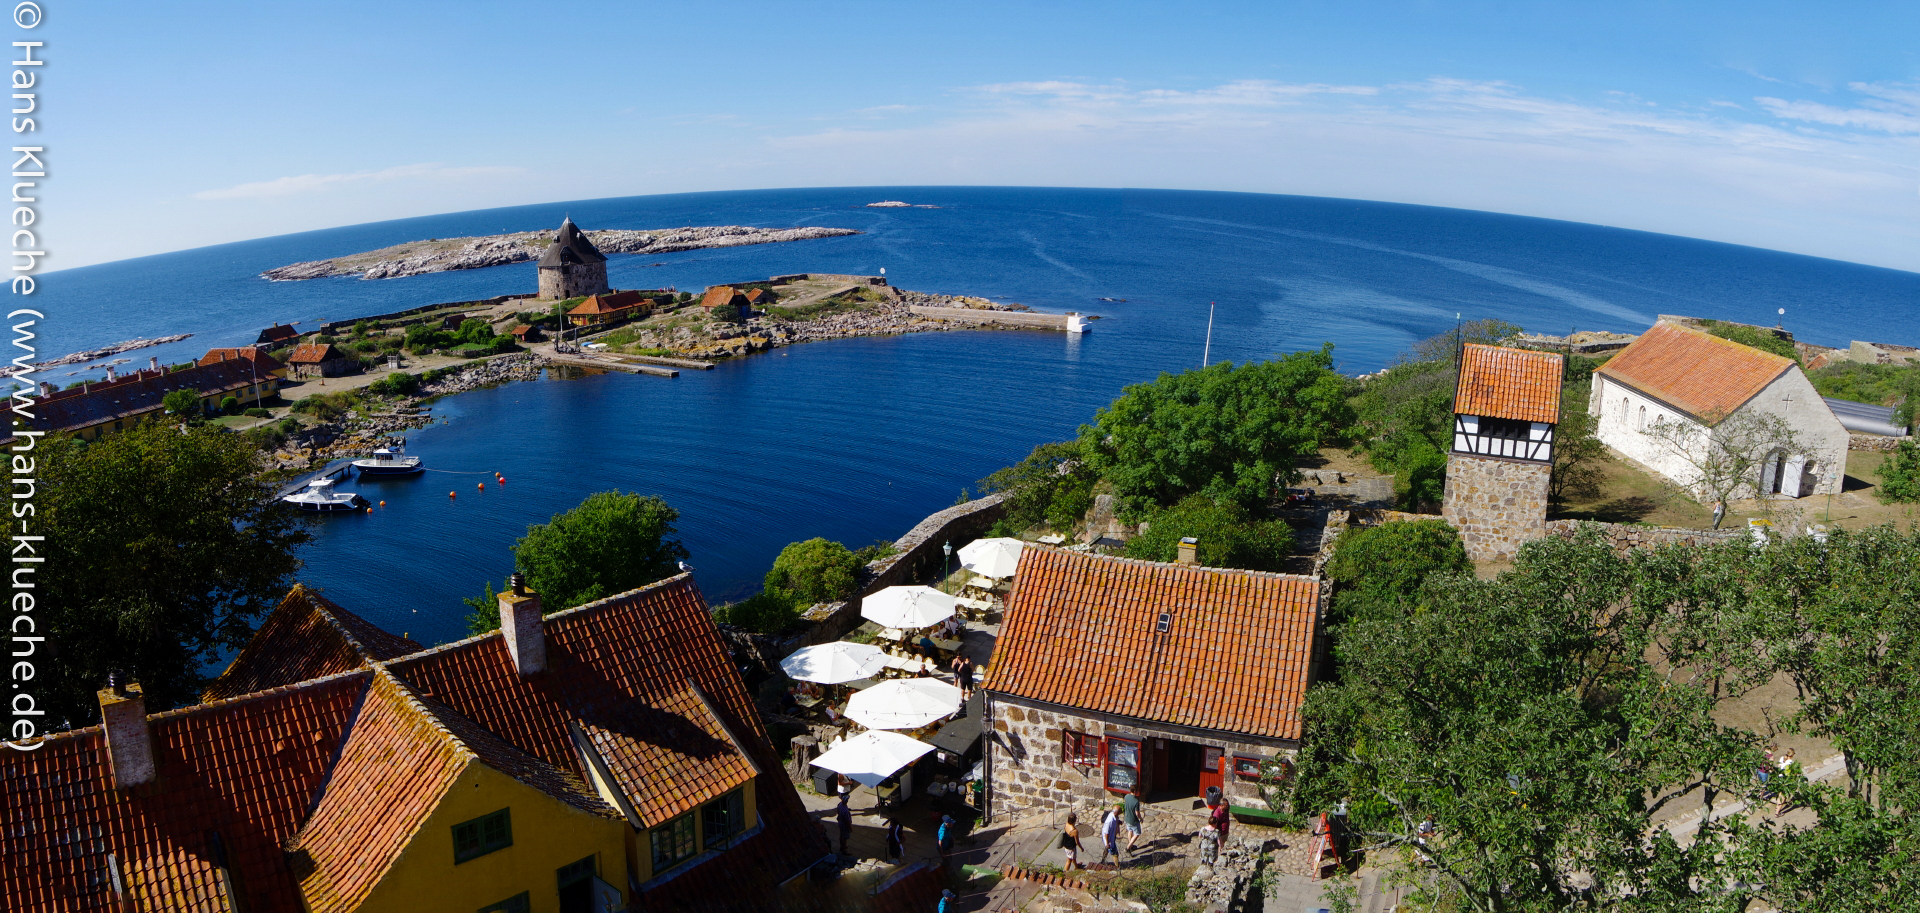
(1162, 892)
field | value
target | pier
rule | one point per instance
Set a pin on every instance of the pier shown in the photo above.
(1025, 319)
(609, 363)
(333, 469)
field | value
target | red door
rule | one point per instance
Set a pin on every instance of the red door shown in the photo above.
(1212, 769)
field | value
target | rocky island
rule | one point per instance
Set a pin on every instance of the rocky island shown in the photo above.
(436, 255)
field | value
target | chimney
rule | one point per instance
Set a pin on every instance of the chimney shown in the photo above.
(1189, 548)
(153, 361)
(123, 712)
(46, 389)
(109, 374)
(521, 625)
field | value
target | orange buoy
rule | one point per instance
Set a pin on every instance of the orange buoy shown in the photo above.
(383, 503)
(452, 494)
(480, 485)
(369, 510)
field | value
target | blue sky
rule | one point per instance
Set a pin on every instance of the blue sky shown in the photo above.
(1787, 126)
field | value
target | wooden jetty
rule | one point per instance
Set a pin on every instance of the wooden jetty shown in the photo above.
(610, 364)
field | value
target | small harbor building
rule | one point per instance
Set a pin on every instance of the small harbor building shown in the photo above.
(121, 402)
(571, 266)
(1506, 405)
(319, 359)
(604, 758)
(725, 301)
(1113, 675)
(263, 364)
(610, 308)
(1678, 374)
(276, 336)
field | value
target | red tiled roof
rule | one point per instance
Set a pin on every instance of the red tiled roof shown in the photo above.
(1499, 382)
(249, 354)
(136, 394)
(1696, 372)
(611, 303)
(313, 353)
(403, 755)
(721, 296)
(244, 769)
(621, 667)
(306, 636)
(1080, 632)
(278, 333)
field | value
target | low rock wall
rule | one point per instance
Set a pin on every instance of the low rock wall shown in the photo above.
(919, 555)
(1625, 537)
(1874, 442)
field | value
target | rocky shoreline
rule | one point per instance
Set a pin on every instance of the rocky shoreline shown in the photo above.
(114, 349)
(891, 317)
(441, 255)
(358, 432)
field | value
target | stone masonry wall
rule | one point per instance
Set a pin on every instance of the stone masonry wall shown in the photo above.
(1497, 505)
(573, 281)
(1028, 772)
(1874, 442)
(1624, 537)
(920, 554)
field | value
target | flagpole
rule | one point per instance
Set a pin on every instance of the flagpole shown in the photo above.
(1206, 351)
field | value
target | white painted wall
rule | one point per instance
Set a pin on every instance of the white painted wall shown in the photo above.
(1625, 412)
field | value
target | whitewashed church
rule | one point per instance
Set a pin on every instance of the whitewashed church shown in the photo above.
(1674, 373)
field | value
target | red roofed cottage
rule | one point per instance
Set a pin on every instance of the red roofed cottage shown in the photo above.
(1113, 675)
(1506, 404)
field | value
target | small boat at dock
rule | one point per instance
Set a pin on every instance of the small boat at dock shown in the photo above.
(388, 462)
(320, 497)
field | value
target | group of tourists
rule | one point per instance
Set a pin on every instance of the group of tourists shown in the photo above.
(1122, 815)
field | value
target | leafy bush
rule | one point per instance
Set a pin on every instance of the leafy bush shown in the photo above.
(1228, 536)
(1228, 432)
(768, 612)
(1900, 475)
(326, 406)
(1053, 485)
(1880, 385)
(230, 405)
(472, 350)
(182, 402)
(613, 542)
(816, 570)
(1752, 337)
(883, 548)
(270, 437)
(1382, 567)
(399, 383)
(257, 412)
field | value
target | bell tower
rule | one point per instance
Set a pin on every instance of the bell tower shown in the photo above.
(1505, 408)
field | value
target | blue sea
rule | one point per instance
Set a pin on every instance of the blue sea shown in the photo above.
(857, 440)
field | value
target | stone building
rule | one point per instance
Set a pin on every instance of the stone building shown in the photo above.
(572, 266)
(319, 359)
(1113, 675)
(1676, 374)
(1505, 407)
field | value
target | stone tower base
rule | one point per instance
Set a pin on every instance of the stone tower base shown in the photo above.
(1497, 505)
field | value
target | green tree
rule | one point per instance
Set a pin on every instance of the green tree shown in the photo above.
(816, 570)
(766, 612)
(1753, 338)
(1231, 433)
(1229, 536)
(1900, 475)
(1380, 569)
(182, 403)
(230, 405)
(162, 550)
(1404, 414)
(1053, 486)
(1578, 454)
(613, 542)
(1522, 713)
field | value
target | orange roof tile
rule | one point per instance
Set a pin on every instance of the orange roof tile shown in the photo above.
(1696, 372)
(251, 354)
(313, 353)
(1499, 382)
(722, 295)
(245, 769)
(306, 636)
(1080, 632)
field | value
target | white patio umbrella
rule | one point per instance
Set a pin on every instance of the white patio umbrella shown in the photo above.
(907, 703)
(834, 663)
(991, 557)
(907, 607)
(872, 756)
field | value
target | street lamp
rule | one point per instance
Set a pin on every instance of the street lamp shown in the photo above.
(945, 566)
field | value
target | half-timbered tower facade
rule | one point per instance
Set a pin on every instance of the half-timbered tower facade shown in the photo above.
(1506, 406)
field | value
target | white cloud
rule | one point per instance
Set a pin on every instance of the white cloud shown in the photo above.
(317, 183)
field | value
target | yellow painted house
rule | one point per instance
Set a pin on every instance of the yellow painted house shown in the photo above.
(605, 759)
(121, 403)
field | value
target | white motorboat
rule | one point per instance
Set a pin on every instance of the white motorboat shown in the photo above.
(320, 497)
(388, 462)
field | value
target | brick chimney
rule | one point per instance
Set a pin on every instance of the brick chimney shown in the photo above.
(1189, 552)
(521, 624)
(123, 711)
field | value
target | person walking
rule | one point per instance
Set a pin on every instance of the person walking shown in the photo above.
(948, 901)
(944, 837)
(1130, 810)
(896, 839)
(1785, 764)
(963, 676)
(845, 815)
(1070, 841)
(1110, 835)
(1221, 818)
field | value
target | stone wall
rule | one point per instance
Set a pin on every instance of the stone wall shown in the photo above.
(998, 318)
(1026, 769)
(1497, 505)
(1875, 442)
(874, 281)
(919, 556)
(1626, 537)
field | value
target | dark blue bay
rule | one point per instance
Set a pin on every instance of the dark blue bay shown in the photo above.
(857, 440)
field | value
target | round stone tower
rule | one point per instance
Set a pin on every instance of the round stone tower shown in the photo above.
(572, 266)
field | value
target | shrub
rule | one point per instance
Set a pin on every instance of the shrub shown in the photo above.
(1052, 486)
(326, 406)
(471, 350)
(1381, 567)
(270, 437)
(1752, 337)
(1228, 536)
(257, 412)
(399, 383)
(182, 402)
(816, 570)
(1900, 475)
(230, 405)
(769, 612)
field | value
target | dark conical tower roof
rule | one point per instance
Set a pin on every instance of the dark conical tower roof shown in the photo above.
(571, 246)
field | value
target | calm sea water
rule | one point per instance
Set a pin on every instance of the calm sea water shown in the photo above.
(857, 440)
